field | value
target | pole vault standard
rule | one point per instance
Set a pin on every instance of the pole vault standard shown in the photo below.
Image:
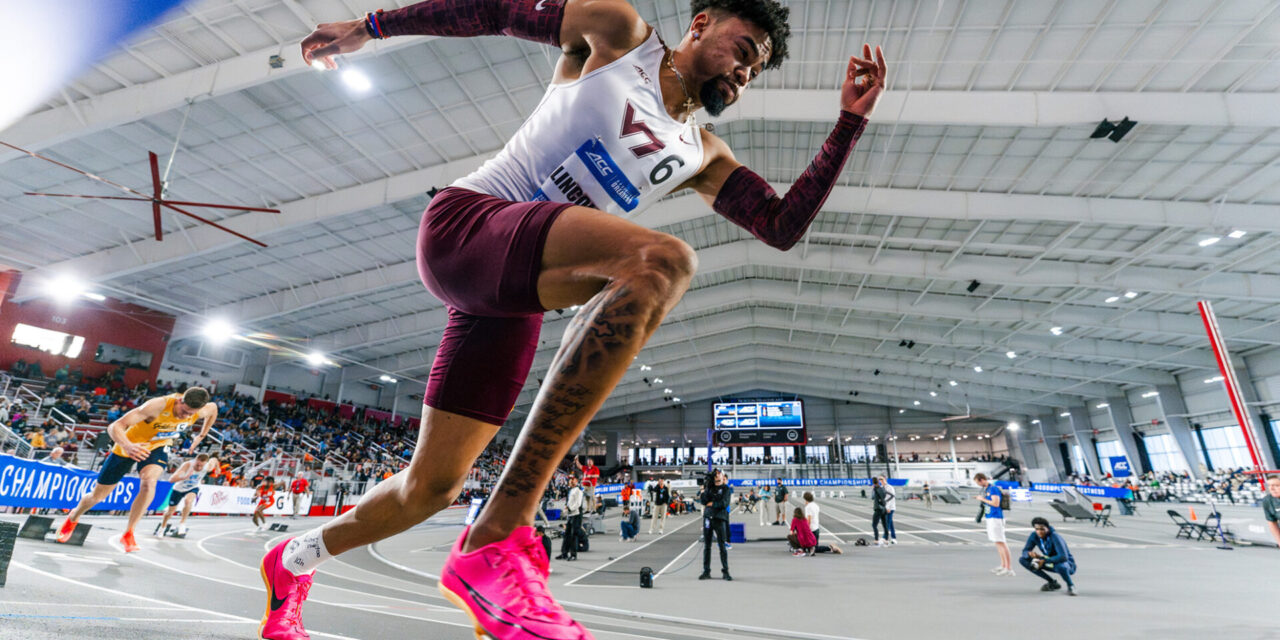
(1232, 384)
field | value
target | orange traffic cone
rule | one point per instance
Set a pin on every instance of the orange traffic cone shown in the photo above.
(1193, 513)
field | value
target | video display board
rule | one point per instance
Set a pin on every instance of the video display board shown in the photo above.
(759, 422)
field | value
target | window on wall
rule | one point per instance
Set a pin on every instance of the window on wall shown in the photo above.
(818, 453)
(751, 453)
(1164, 453)
(1106, 450)
(1077, 460)
(721, 455)
(1226, 448)
(858, 452)
(48, 340)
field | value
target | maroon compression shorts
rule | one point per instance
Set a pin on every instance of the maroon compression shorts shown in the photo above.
(481, 255)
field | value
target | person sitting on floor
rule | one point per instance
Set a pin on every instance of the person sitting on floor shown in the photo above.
(1045, 549)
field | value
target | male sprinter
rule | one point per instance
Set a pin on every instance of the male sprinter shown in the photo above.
(186, 488)
(541, 226)
(143, 437)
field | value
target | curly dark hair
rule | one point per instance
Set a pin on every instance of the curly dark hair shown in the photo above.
(766, 14)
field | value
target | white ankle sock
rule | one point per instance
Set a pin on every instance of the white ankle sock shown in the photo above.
(305, 552)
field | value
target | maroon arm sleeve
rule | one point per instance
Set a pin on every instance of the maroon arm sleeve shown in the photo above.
(749, 202)
(537, 20)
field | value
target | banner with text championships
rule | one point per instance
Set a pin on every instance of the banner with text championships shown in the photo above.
(28, 483)
(241, 500)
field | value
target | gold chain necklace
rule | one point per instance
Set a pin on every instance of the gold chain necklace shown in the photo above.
(688, 99)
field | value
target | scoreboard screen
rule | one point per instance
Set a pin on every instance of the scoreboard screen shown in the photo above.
(759, 422)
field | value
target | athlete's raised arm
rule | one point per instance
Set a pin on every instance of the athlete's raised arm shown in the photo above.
(743, 197)
(576, 26)
(148, 410)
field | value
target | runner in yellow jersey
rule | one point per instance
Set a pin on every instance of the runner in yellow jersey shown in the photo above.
(143, 437)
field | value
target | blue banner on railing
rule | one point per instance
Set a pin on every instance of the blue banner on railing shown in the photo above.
(1096, 492)
(28, 483)
(766, 482)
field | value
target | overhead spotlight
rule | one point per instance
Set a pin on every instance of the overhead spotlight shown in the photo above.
(1151, 394)
(386, 378)
(1213, 380)
(64, 289)
(1237, 234)
(1131, 294)
(668, 390)
(902, 343)
(1103, 129)
(902, 411)
(933, 394)
(1113, 299)
(911, 344)
(1102, 405)
(218, 331)
(356, 80)
(315, 358)
(953, 383)
(977, 369)
(1064, 414)
(646, 381)
(1209, 241)
(1057, 331)
(1112, 130)
(973, 286)
(1035, 422)
(876, 372)
(915, 402)
(1011, 354)
(1013, 426)
(657, 380)
(645, 367)
(676, 400)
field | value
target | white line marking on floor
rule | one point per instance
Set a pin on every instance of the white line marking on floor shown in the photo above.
(570, 583)
(71, 558)
(675, 559)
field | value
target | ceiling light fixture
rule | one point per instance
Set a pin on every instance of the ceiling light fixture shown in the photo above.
(315, 358)
(977, 368)
(1208, 242)
(1102, 405)
(1214, 379)
(1131, 294)
(356, 80)
(1057, 331)
(218, 331)
(1113, 299)
(1151, 394)
(933, 394)
(1011, 354)
(1237, 234)
(1013, 426)
(916, 402)
(1035, 422)
(953, 383)
(1064, 414)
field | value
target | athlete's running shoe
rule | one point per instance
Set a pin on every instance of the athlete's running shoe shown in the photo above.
(503, 587)
(64, 532)
(129, 542)
(285, 595)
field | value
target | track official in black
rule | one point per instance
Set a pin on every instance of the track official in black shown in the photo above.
(715, 498)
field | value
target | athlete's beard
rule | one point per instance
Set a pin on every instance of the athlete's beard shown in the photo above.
(711, 98)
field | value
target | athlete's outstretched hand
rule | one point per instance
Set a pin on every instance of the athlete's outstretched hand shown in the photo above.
(863, 82)
(135, 451)
(333, 38)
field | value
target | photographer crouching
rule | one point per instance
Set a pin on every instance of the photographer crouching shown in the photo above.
(1045, 549)
(715, 499)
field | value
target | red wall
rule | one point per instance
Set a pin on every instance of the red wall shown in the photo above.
(112, 321)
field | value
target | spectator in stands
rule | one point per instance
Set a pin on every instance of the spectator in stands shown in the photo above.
(19, 368)
(630, 525)
(781, 496)
(5, 405)
(1271, 508)
(990, 497)
(36, 438)
(574, 507)
(890, 505)
(56, 456)
(1045, 549)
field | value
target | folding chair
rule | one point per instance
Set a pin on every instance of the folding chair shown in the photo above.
(1104, 517)
(1185, 526)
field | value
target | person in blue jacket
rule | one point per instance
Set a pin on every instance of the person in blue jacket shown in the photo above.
(1045, 549)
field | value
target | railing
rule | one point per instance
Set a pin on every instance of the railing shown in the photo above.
(32, 399)
(5, 381)
(13, 443)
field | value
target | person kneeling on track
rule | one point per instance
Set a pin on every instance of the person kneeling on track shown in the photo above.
(1045, 549)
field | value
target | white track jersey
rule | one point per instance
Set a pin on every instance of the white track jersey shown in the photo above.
(191, 482)
(604, 141)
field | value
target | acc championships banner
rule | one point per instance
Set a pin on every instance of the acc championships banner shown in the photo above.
(28, 483)
(241, 500)
(763, 482)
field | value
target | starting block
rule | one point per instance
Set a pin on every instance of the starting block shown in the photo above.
(279, 526)
(172, 532)
(39, 527)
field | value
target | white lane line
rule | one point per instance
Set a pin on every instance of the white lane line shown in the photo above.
(642, 615)
(673, 560)
(571, 582)
(73, 558)
(96, 606)
(125, 594)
